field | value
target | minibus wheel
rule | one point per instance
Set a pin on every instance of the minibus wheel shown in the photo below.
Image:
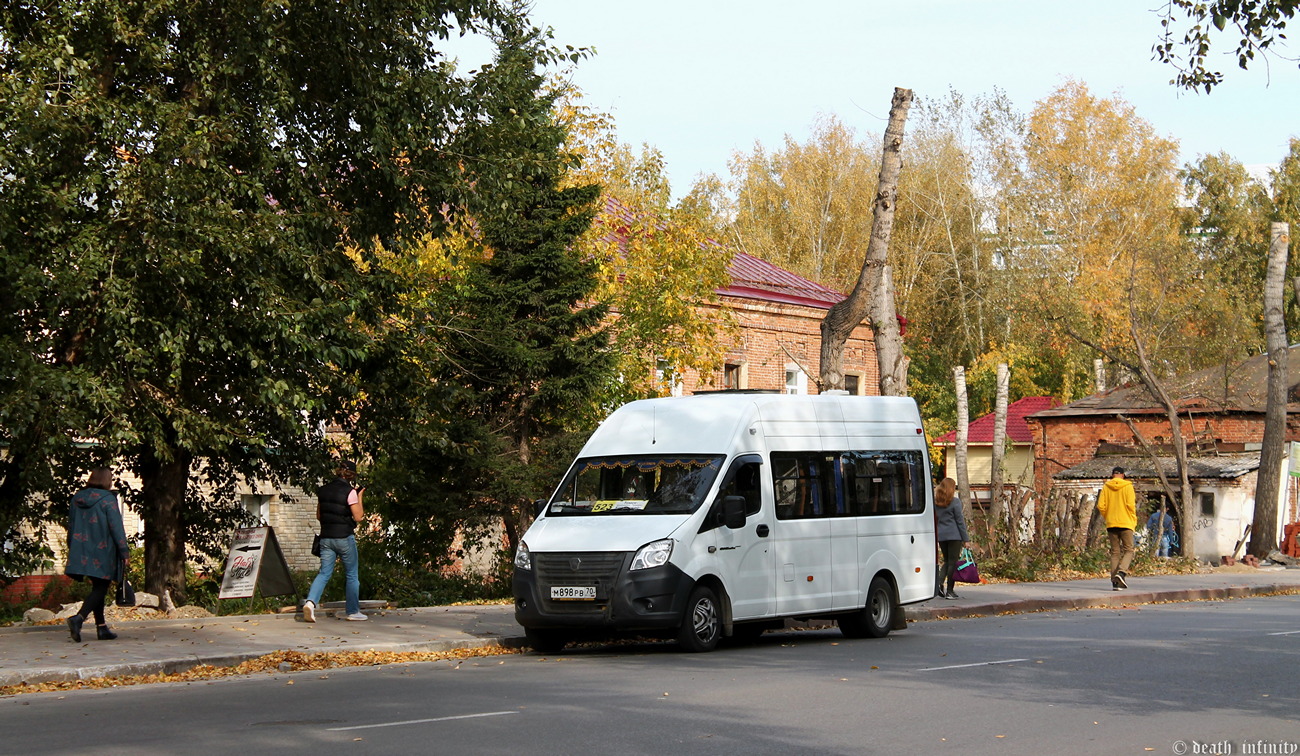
(702, 622)
(874, 620)
(545, 641)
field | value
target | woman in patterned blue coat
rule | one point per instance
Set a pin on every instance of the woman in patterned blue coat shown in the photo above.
(97, 548)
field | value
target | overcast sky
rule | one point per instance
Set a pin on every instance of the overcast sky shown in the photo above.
(700, 79)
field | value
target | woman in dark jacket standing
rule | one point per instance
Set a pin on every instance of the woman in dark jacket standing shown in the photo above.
(950, 532)
(339, 508)
(97, 548)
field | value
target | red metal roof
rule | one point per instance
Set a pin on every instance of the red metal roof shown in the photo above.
(752, 278)
(981, 430)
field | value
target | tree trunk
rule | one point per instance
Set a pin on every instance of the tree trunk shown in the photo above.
(162, 497)
(1099, 375)
(1263, 537)
(874, 292)
(1096, 526)
(997, 506)
(962, 441)
(1148, 378)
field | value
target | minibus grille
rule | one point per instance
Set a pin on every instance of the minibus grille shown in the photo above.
(578, 568)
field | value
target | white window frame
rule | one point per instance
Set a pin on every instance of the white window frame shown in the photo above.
(796, 380)
(257, 505)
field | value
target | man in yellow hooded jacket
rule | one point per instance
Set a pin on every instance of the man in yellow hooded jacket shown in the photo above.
(1118, 505)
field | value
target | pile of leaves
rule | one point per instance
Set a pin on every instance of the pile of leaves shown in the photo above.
(277, 662)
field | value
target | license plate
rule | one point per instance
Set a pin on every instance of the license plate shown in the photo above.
(573, 593)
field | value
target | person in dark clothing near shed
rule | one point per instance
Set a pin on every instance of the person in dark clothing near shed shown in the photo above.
(339, 509)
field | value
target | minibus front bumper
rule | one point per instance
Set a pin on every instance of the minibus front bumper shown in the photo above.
(596, 591)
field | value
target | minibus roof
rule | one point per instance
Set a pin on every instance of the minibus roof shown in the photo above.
(716, 423)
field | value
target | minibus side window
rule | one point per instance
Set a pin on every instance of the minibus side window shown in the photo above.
(803, 484)
(743, 480)
(883, 482)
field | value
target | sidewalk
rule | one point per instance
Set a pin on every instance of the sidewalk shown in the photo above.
(46, 653)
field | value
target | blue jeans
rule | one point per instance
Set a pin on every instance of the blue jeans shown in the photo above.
(1163, 548)
(344, 549)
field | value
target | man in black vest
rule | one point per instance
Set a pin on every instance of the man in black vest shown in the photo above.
(339, 509)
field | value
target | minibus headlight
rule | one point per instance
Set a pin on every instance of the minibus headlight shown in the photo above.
(654, 554)
(523, 560)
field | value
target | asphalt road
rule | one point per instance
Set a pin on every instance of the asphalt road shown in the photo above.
(1174, 678)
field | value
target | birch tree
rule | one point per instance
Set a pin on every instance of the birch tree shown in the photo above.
(998, 506)
(874, 291)
(961, 444)
(1263, 537)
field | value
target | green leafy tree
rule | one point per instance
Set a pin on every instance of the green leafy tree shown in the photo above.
(191, 197)
(1258, 26)
(1227, 222)
(1286, 187)
(520, 354)
(957, 298)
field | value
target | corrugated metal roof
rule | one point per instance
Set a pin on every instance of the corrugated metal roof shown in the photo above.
(752, 278)
(1227, 388)
(981, 430)
(1139, 467)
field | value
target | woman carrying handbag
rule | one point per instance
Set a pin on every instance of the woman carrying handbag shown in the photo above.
(97, 549)
(950, 532)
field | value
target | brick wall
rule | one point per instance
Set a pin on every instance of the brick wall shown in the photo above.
(293, 515)
(292, 512)
(1062, 442)
(773, 335)
(30, 587)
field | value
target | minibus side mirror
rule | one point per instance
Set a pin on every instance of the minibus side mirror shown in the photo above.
(538, 506)
(733, 512)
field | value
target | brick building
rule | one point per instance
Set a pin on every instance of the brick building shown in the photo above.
(1221, 411)
(291, 511)
(778, 343)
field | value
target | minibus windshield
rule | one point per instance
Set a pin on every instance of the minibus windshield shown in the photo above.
(635, 485)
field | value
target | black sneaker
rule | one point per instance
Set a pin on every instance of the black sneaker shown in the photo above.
(1120, 582)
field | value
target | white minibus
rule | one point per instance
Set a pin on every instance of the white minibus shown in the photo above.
(722, 514)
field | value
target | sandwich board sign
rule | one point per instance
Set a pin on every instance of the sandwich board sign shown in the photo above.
(255, 562)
